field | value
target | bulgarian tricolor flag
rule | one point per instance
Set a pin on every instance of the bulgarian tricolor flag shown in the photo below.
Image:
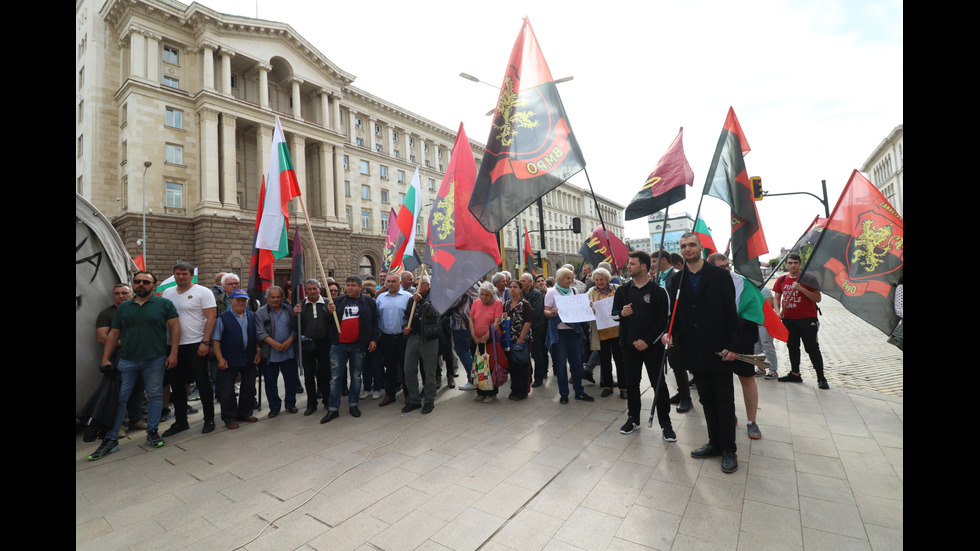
(272, 233)
(408, 214)
(171, 282)
(704, 234)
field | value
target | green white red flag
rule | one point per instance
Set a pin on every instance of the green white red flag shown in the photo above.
(260, 271)
(704, 234)
(171, 282)
(281, 186)
(406, 219)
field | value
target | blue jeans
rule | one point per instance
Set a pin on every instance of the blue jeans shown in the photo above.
(568, 347)
(461, 343)
(290, 377)
(342, 354)
(152, 371)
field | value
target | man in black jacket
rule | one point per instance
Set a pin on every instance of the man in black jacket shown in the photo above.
(359, 333)
(320, 330)
(641, 308)
(423, 343)
(538, 329)
(705, 323)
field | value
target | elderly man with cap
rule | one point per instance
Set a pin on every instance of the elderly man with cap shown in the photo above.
(237, 349)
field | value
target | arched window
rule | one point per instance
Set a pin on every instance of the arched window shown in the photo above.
(365, 267)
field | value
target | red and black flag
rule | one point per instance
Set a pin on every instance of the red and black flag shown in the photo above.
(531, 149)
(528, 253)
(811, 235)
(260, 265)
(455, 270)
(665, 185)
(598, 249)
(858, 259)
(728, 181)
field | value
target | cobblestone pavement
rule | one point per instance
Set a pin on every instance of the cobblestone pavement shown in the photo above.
(855, 354)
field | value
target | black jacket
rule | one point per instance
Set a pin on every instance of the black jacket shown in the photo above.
(706, 321)
(650, 311)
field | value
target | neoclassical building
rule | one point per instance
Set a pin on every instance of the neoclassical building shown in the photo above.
(194, 93)
(885, 168)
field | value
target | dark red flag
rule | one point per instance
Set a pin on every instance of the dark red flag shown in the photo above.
(531, 149)
(597, 249)
(455, 270)
(665, 185)
(728, 181)
(528, 253)
(858, 259)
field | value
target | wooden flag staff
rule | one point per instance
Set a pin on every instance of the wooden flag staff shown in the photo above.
(316, 250)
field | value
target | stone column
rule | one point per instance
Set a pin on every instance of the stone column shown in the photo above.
(207, 65)
(297, 102)
(335, 98)
(390, 140)
(297, 150)
(327, 185)
(137, 53)
(372, 140)
(208, 125)
(229, 184)
(264, 85)
(153, 57)
(340, 202)
(324, 107)
(351, 128)
(226, 56)
(263, 138)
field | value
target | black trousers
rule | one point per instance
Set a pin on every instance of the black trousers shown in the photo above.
(539, 353)
(392, 348)
(190, 367)
(804, 329)
(634, 360)
(717, 393)
(316, 371)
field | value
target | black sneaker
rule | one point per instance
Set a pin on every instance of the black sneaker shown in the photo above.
(822, 385)
(790, 378)
(105, 448)
(675, 399)
(175, 428)
(629, 427)
(670, 435)
(584, 397)
(153, 439)
(587, 375)
(428, 407)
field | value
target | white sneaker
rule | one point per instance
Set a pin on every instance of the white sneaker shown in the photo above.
(376, 394)
(365, 394)
(467, 386)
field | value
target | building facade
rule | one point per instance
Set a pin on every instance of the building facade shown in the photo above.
(676, 226)
(195, 93)
(885, 168)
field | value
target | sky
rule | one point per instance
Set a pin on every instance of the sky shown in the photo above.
(816, 85)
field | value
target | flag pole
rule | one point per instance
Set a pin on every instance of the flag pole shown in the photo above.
(662, 373)
(603, 224)
(316, 250)
(412, 313)
(783, 259)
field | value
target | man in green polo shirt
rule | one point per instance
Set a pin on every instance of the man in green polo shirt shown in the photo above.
(141, 325)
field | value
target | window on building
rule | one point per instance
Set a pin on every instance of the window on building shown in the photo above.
(384, 196)
(357, 122)
(397, 154)
(401, 176)
(365, 220)
(412, 158)
(401, 198)
(79, 146)
(171, 82)
(171, 55)
(411, 142)
(377, 129)
(347, 212)
(384, 171)
(365, 192)
(365, 167)
(175, 154)
(175, 118)
(384, 223)
(346, 188)
(394, 136)
(175, 195)
(378, 148)
(432, 184)
(360, 142)
(425, 146)
(81, 78)
(346, 162)
(420, 227)
(81, 110)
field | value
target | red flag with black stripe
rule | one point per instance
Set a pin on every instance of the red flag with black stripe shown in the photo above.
(455, 270)
(728, 180)
(531, 149)
(528, 253)
(859, 257)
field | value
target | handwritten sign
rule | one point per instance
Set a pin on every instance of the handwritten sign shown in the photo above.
(603, 313)
(574, 308)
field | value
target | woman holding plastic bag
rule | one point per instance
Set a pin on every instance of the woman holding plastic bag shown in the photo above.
(521, 316)
(485, 316)
(606, 341)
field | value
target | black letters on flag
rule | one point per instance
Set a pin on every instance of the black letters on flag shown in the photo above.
(531, 149)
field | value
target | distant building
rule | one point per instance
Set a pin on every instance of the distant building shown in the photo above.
(677, 225)
(885, 169)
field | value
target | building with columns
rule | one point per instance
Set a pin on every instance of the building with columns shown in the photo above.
(195, 93)
(676, 225)
(885, 168)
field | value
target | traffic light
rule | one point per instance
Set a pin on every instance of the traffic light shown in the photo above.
(537, 258)
(576, 225)
(756, 187)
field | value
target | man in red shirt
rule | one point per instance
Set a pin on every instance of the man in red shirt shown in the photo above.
(797, 298)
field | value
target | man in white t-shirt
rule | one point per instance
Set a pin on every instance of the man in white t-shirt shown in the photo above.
(197, 310)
